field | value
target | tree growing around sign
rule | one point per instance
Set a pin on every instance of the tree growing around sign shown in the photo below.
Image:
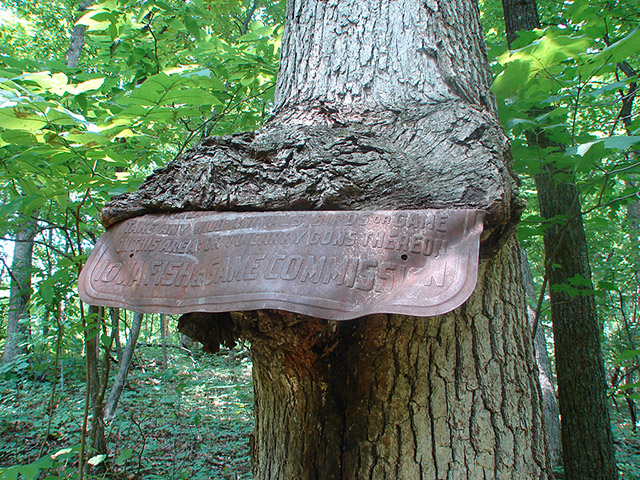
(377, 106)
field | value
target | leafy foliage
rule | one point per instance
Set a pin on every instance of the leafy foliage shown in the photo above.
(154, 79)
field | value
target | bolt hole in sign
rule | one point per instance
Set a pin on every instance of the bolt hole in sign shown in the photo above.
(336, 265)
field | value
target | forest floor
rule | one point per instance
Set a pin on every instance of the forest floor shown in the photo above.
(192, 420)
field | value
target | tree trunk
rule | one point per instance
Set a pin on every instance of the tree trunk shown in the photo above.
(97, 382)
(20, 292)
(587, 441)
(125, 362)
(76, 42)
(163, 335)
(519, 16)
(393, 397)
(381, 105)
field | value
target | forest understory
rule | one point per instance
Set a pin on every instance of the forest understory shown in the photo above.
(192, 420)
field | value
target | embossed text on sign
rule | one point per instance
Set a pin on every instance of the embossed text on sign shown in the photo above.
(334, 265)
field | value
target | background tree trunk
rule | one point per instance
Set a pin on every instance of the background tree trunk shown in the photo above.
(20, 292)
(125, 362)
(76, 42)
(163, 335)
(545, 372)
(587, 441)
(377, 106)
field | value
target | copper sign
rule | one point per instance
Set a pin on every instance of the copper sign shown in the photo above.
(333, 265)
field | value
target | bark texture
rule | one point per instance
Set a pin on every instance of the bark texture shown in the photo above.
(394, 397)
(76, 42)
(19, 293)
(378, 105)
(519, 16)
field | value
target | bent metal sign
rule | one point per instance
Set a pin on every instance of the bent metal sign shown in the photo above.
(333, 265)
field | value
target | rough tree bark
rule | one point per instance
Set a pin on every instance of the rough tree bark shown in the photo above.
(378, 105)
(20, 292)
(587, 440)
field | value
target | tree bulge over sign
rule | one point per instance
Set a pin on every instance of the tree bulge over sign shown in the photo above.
(378, 106)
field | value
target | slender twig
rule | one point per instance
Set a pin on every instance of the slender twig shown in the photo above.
(144, 442)
(155, 43)
(538, 310)
(252, 9)
(53, 387)
(619, 170)
(9, 271)
(216, 118)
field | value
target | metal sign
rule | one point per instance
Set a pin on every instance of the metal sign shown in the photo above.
(333, 265)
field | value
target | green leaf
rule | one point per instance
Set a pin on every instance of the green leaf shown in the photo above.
(87, 86)
(46, 292)
(628, 354)
(618, 142)
(192, 27)
(13, 119)
(29, 472)
(94, 19)
(579, 280)
(55, 83)
(32, 471)
(18, 137)
(621, 142)
(604, 285)
(249, 37)
(10, 473)
(86, 138)
(192, 96)
(513, 78)
(125, 455)
(62, 452)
